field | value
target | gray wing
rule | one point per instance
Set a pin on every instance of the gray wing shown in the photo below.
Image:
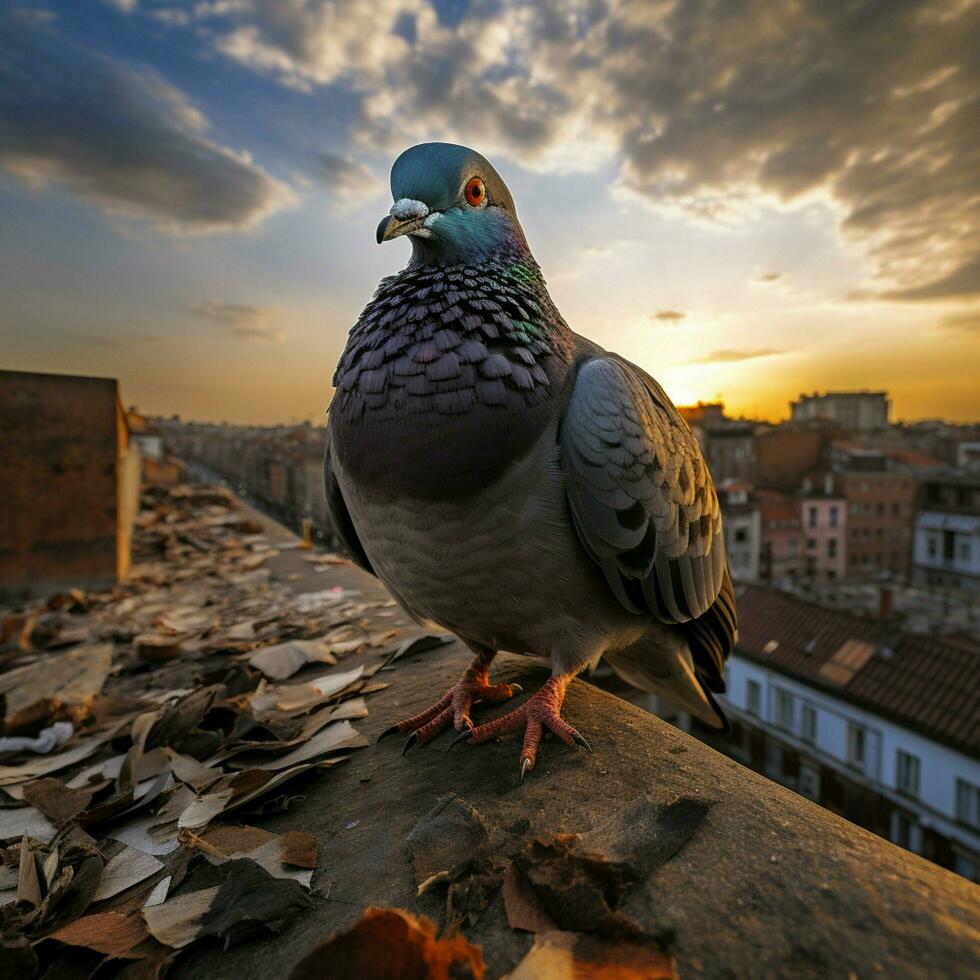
(641, 496)
(340, 517)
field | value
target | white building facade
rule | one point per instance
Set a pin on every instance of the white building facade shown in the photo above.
(927, 790)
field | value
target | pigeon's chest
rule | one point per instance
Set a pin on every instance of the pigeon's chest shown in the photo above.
(445, 381)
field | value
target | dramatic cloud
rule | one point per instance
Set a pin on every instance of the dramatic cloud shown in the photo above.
(731, 356)
(668, 316)
(709, 108)
(120, 136)
(242, 320)
(346, 178)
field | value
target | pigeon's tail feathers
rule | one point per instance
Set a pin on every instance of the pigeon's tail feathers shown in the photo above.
(712, 637)
(669, 671)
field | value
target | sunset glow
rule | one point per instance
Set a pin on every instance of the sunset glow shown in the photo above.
(188, 196)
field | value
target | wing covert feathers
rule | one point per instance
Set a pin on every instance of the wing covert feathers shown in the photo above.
(641, 496)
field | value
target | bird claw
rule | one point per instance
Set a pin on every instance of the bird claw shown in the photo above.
(394, 730)
(525, 765)
(580, 740)
(516, 689)
(414, 737)
(463, 736)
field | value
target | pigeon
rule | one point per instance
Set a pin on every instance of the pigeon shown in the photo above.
(511, 481)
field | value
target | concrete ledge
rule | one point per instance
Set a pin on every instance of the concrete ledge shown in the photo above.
(768, 885)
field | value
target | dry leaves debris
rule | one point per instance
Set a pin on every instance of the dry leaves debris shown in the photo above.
(138, 725)
(392, 943)
(572, 891)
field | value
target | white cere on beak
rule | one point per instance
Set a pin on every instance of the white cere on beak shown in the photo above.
(405, 209)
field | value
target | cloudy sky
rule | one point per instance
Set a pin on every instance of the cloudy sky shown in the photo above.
(749, 199)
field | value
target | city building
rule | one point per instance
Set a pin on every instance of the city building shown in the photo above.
(785, 454)
(947, 533)
(780, 536)
(968, 457)
(857, 410)
(880, 495)
(69, 483)
(280, 467)
(877, 725)
(742, 529)
(728, 444)
(824, 522)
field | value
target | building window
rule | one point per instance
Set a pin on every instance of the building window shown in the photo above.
(784, 709)
(964, 551)
(905, 831)
(969, 867)
(753, 697)
(775, 759)
(856, 745)
(811, 517)
(932, 546)
(968, 803)
(832, 547)
(810, 782)
(833, 516)
(811, 544)
(907, 768)
(741, 535)
(808, 723)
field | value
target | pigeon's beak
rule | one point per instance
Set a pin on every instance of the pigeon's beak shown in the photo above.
(405, 218)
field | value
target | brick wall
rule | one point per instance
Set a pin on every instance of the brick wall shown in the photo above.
(64, 440)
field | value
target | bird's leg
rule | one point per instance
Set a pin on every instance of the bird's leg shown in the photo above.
(540, 712)
(454, 706)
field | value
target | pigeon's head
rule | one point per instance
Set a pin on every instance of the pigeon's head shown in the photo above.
(452, 204)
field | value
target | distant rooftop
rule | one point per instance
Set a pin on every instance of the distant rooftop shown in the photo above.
(929, 685)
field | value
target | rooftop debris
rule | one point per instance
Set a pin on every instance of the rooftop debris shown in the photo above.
(570, 956)
(140, 725)
(392, 943)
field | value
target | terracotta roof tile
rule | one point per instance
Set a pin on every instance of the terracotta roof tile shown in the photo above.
(926, 684)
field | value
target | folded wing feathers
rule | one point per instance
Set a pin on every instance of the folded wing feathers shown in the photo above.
(641, 495)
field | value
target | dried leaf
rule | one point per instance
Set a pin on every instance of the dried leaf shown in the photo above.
(55, 800)
(571, 956)
(25, 820)
(296, 697)
(338, 735)
(28, 879)
(419, 644)
(140, 834)
(582, 880)
(234, 791)
(448, 841)
(111, 933)
(68, 678)
(392, 943)
(523, 907)
(249, 900)
(127, 868)
(159, 894)
(44, 765)
(283, 660)
(282, 856)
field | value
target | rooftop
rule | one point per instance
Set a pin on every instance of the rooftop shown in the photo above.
(929, 685)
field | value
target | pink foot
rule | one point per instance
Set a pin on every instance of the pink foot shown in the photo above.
(454, 706)
(541, 711)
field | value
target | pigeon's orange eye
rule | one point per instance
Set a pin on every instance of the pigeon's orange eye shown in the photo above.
(475, 192)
